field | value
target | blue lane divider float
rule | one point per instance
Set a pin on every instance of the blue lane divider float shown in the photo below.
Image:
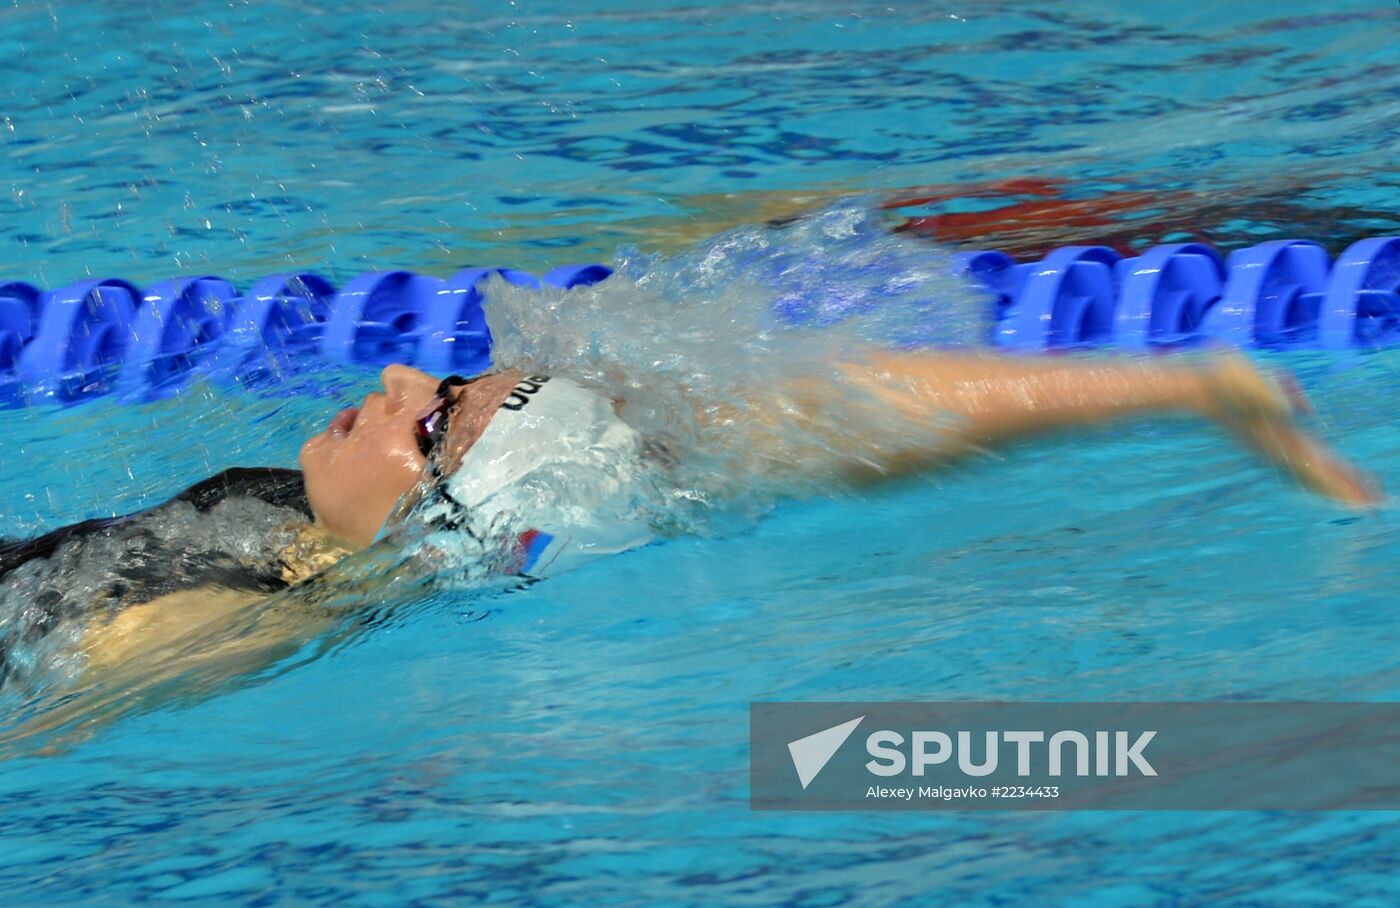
(1166, 292)
(81, 339)
(282, 315)
(177, 322)
(19, 318)
(100, 336)
(1361, 303)
(1279, 293)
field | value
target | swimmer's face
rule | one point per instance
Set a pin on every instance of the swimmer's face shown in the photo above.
(368, 456)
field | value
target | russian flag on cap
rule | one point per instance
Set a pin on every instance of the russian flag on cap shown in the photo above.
(533, 544)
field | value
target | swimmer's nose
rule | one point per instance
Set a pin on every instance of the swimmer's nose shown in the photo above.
(406, 386)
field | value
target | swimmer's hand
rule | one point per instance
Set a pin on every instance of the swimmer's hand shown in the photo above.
(1261, 410)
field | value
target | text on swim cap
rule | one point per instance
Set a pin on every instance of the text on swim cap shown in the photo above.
(520, 395)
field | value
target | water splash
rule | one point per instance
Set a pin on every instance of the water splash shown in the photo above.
(717, 351)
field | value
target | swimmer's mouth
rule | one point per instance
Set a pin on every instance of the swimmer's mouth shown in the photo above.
(344, 421)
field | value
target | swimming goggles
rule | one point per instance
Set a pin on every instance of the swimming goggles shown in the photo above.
(431, 425)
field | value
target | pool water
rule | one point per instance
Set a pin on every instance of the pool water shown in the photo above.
(584, 740)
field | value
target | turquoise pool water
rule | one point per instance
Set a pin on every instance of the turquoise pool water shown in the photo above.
(584, 741)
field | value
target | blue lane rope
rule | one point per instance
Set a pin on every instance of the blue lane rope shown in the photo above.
(1276, 294)
(101, 336)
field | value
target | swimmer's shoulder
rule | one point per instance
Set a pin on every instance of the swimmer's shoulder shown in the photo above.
(278, 487)
(15, 552)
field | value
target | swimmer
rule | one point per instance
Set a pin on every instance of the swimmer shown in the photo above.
(372, 456)
(532, 474)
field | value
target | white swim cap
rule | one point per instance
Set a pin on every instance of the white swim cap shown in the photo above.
(556, 480)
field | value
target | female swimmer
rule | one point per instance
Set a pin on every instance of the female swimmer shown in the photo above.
(532, 474)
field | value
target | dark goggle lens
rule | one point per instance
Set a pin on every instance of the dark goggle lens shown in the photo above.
(431, 424)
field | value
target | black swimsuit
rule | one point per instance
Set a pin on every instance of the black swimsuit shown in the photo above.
(142, 556)
(281, 488)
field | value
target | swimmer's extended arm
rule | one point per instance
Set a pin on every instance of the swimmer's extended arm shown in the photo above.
(994, 398)
(895, 412)
(980, 399)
